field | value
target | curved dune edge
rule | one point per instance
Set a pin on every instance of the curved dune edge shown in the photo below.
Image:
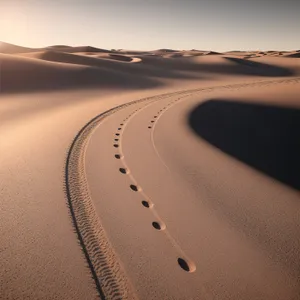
(107, 271)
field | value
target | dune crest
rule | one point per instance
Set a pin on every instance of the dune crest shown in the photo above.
(12, 49)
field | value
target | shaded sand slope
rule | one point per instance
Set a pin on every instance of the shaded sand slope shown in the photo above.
(59, 70)
(220, 65)
(104, 68)
(214, 64)
(144, 69)
(87, 49)
(28, 74)
(293, 54)
(80, 59)
(290, 63)
(263, 136)
(191, 220)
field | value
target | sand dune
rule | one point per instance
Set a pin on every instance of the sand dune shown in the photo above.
(59, 47)
(211, 53)
(218, 64)
(117, 70)
(99, 68)
(166, 50)
(54, 70)
(87, 49)
(11, 49)
(123, 58)
(295, 54)
(63, 57)
(165, 174)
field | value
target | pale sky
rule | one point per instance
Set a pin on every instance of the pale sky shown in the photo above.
(218, 25)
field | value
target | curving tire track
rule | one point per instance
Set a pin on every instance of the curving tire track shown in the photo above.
(107, 271)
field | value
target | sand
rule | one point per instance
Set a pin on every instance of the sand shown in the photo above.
(167, 174)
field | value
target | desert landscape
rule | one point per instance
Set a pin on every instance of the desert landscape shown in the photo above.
(163, 174)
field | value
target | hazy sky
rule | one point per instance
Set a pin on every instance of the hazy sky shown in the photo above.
(151, 24)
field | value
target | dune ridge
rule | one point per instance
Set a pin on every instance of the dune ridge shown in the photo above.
(13, 49)
(86, 66)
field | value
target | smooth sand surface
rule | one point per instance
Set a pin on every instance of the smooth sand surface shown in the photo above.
(165, 174)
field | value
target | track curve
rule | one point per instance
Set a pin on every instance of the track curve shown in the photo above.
(107, 270)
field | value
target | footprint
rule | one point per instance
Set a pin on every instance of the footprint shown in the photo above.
(135, 188)
(118, 156)
(158, 225)
(186, 266)
(116, 145)
(147, 204)
(124, 170)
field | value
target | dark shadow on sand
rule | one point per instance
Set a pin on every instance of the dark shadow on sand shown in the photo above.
(262, 136)
(236, 66)
(47, 79)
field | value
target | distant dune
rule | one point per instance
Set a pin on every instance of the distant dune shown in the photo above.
(83, 66)
(212, 53)
(57, 47)
(295, 54)
(87, 49)
(12, 49)
(54, 70)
